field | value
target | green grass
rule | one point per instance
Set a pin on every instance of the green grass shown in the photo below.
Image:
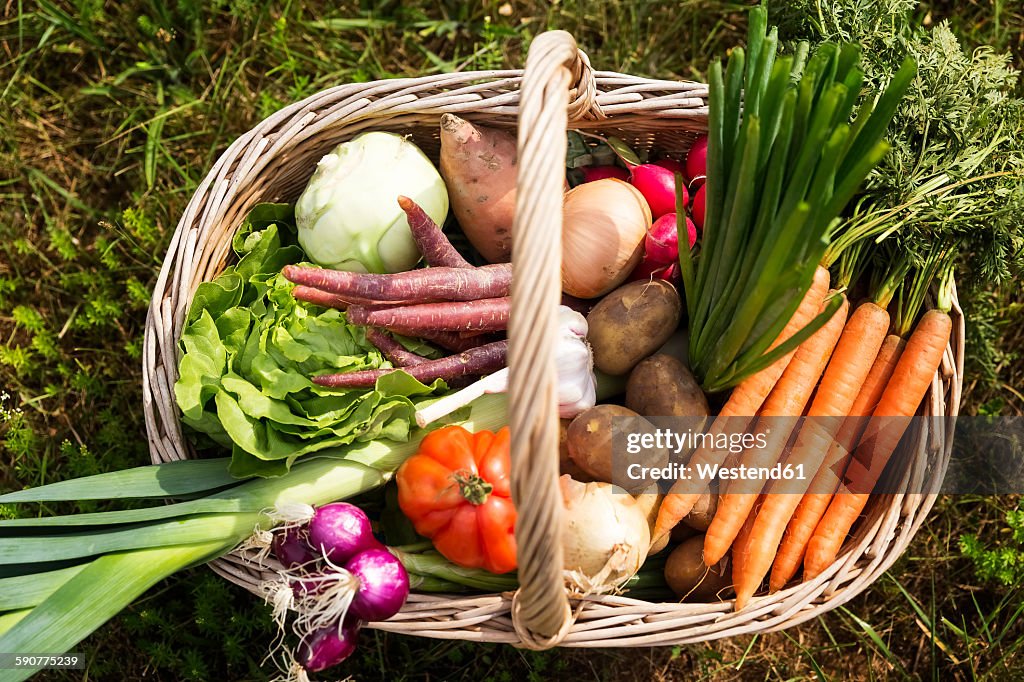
(111, 114)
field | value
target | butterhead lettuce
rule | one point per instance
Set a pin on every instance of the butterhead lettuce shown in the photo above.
(248, 351)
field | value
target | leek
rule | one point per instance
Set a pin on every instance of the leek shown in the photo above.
(129, 551)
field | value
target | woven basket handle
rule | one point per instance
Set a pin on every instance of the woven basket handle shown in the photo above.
(540, 609)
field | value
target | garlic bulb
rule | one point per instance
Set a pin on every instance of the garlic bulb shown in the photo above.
(603, 228)
(577, 385)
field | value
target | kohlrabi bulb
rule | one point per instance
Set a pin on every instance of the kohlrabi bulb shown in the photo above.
(348, 216)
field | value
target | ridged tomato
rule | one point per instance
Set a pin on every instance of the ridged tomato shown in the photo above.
(455, 491)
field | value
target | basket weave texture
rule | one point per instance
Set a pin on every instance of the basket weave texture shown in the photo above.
(556, 90)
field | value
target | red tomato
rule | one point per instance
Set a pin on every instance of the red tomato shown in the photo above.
(455, 491)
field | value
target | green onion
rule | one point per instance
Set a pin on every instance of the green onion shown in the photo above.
(783, 162)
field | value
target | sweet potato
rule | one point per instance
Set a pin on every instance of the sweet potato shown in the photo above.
(478, 165)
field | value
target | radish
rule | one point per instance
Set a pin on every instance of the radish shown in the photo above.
(591, 173)
(648, 270)
(341, 530)
(697, 160)
(383, 584)
(698, 207)
(661, 249)
(673, 165)
(662, 242)
(658, 185)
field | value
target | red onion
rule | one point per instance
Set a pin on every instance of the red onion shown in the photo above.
(383, 584)
(291, 547)
(591, 173)
(341, 530)
(328, 646)
(658, 185)
(697, 160)
(698, 207)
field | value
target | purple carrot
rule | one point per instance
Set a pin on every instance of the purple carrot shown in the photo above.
(329, 300)
(318, 297)
(483, 315)
(392, 350)
(427, 284)
(481, 360)
(435, 247)
(448, 340)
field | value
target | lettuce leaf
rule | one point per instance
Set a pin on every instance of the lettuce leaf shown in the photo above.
(248, 351)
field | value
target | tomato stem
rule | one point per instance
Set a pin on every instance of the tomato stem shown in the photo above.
(472, 487)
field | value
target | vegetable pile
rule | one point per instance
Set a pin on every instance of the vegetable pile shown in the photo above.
(744, 282)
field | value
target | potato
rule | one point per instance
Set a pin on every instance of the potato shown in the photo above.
(565, 463)
(631, 323)
(703, 511)
(589, 441)
(661, 386)
(690, 579)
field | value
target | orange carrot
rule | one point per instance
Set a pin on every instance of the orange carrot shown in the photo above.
(814, 503)
(778, 419)
(743, 403)
(851, 360)
(741, 546)
(900, 400)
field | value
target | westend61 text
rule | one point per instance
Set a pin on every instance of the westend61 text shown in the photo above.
(711, 472)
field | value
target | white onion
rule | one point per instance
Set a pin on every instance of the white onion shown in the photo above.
(605, 535)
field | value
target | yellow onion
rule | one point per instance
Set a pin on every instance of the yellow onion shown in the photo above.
(605, 535)
(604, 223)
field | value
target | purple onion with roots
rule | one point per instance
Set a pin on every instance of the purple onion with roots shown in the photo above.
(383, 584)
(327, 647)
(291, 548)
(341, 530)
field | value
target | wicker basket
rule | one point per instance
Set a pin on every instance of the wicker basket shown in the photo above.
(273, 162)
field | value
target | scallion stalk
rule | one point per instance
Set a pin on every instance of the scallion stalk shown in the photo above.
(783, 161)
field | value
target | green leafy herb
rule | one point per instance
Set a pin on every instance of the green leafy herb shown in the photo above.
(249, 350)
(956, 169)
